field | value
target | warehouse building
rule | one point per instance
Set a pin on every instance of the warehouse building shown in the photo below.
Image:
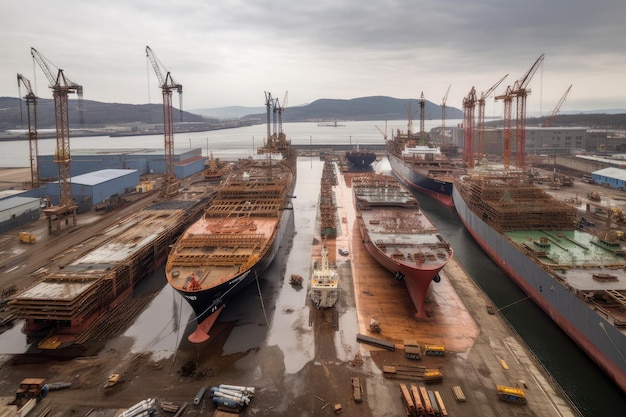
(96, 187)
(610, 177)
(187, 161)
(17, 211)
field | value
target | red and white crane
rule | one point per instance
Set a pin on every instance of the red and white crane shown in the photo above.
(167, 85)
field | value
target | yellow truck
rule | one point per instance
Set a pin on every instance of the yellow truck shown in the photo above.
(27, 237)
(510, 394)
(434, 350)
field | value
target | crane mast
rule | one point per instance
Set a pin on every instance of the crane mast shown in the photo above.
(481, 116)
(469, 106)
(167, 85)
(521, 91)
(507, 98)
(550, 119)
(422, 111)
(31, 110)
(443, 115)
(61, 87)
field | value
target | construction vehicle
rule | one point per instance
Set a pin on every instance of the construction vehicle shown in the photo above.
(434, 350)
(30, 389)
(412, 350)
(510, 394)
(374, 326)
(27, 237)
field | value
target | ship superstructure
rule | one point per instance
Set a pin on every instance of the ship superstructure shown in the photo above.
(398, 234)
(324, 289)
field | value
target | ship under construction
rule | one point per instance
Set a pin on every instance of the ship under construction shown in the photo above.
(90, 297)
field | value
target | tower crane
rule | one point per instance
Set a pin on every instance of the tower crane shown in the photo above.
(469, 106)
(507, 97)
(521, 91)
(550, 119)
(61, 87)
(167, 85)
(281, 110)
(31, 110)
(443, 114)
(422, 110)
(481, 116)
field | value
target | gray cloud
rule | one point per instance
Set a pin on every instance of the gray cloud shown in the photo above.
(229, 52)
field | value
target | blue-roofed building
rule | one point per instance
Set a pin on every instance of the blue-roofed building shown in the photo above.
(96, 187)
(612, 177)
(187, 161)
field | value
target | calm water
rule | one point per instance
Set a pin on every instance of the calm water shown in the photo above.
(588, 388)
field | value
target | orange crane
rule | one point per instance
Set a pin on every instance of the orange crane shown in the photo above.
(281, 110)
(550, 119)
(469, 106)
(507, 97)
(443, 114)
(31, 110)
(481, 116)
(521, 91)
(167, 85)
(61, 87)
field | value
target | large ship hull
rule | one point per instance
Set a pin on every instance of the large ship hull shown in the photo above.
(420, 180)
(399, 236)
(589, 327)
(360, 159)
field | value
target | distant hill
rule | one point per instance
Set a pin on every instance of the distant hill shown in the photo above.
(363, 108)
(230, 112)
(95, 113)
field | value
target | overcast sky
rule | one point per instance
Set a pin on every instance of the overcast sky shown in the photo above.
(229, 52)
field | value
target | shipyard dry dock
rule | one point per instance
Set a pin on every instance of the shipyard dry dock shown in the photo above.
(481, 351)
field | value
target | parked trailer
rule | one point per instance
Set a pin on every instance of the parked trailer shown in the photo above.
(412, 350)
(434, 350)
(408, 401)
(442, 407)
(510, 394)
(419, 405)
(427, 405)
(433, 402)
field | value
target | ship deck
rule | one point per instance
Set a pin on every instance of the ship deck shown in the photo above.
(215, 258)
(576, 256)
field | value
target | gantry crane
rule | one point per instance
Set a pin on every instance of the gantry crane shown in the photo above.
(443, 114)
(167, 85)
(481, 117)
(61, 87)
(469, 106)
(550, 119)
(31, 110)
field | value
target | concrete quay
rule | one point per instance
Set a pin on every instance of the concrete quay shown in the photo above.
(482, 350)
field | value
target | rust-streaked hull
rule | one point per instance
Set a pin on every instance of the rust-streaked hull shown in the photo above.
(399, 235)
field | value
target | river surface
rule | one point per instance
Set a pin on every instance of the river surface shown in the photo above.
(590, 390)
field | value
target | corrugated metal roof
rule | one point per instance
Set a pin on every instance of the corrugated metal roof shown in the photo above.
(619, 174)
(13, 202)
(98, 177)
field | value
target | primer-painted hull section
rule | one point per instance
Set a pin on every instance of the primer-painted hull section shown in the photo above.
(589, 327)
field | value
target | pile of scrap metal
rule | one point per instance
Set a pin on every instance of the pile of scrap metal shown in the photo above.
(144, 408)
(232, 397)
